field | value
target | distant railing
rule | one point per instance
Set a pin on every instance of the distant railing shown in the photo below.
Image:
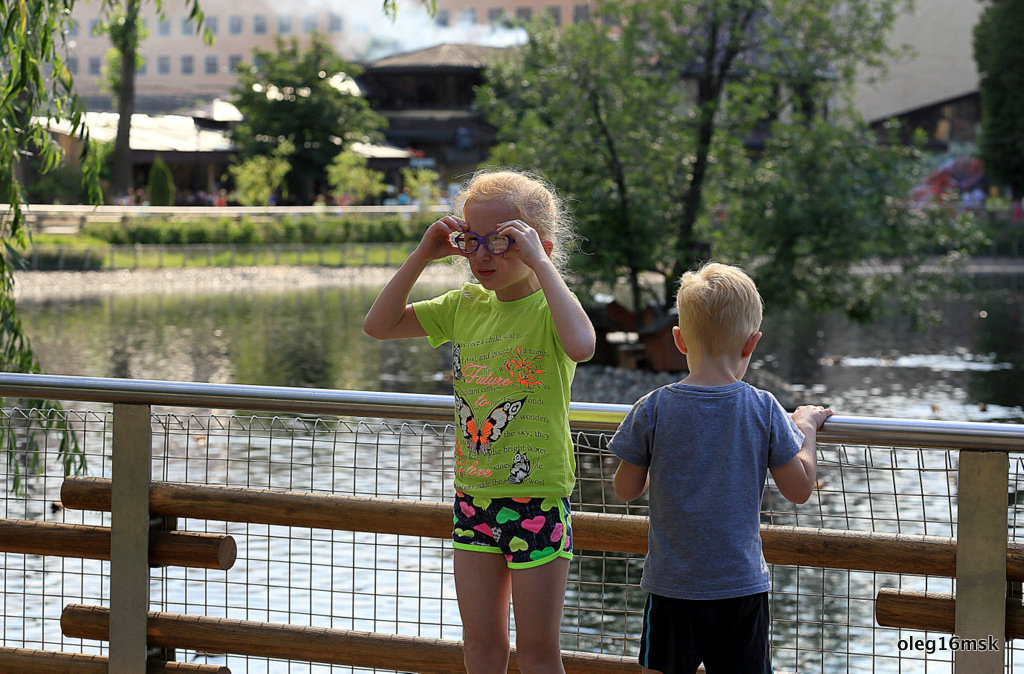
(70, 218)
(967, 534)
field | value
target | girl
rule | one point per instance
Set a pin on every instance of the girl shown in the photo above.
(516, 337)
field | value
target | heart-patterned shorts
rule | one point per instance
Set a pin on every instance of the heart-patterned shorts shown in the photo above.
(528, 531)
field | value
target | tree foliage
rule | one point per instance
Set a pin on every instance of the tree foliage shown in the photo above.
(161, 184)
(351, 180)
(307, 97)
(824, 221)
(35, 86)
(1001, 66)
(261, 177)
(650, 118)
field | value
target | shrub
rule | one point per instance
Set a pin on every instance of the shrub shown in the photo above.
(161, 184)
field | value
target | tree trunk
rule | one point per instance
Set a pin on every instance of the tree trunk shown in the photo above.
(128, 46)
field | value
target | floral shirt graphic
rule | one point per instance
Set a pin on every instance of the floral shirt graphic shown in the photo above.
(512, 381)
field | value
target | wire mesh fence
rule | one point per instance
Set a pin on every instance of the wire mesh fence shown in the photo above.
(822, 619)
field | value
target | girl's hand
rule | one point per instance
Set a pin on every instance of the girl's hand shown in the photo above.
(527, 241)
(436, 242)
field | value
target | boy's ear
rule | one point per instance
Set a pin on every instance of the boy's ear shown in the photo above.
(748, 346)
(677, 337)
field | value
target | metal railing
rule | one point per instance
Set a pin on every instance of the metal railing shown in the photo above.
(889, 476)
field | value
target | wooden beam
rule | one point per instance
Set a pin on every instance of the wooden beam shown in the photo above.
(30, 661)
(933, 611)
(166, 548)
(312, 644)
(797, 546)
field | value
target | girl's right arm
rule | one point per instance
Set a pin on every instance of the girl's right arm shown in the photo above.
(391, 316)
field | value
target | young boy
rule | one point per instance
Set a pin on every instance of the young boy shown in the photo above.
(703, 446)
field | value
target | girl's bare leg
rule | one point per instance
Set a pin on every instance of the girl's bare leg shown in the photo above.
(538, 594)
(483, 587)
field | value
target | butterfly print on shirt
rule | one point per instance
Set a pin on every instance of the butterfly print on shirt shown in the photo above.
(481, 436)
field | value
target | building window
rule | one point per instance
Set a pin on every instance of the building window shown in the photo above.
(95, 65)
(524, 13)
(581, 13)
(73, 29)
(556, 15)
(210, 64)
(334, 23)
(467, 16)
(496, 15)
(73, 65)
(309, 23)
(187, 27)
(140, 69)
(259, 24)
(441, 18)
(163, 27)
(94, 27)
(188, 64)
(212, 24)
(235, 25)
(233, 61)
(163, 65)
(284, 24)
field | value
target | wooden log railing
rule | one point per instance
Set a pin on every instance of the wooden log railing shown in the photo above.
(166, 548)
(933, 611)
(800, 546)
(31, 661)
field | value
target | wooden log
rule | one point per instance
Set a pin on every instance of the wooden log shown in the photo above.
(933, 611)
(166, 548)
(311, 644)
(30, 661)
(798, 546)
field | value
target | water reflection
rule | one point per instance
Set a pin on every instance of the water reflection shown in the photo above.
(970, 366)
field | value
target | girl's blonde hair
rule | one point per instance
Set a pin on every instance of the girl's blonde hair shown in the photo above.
(533, 198)
(719, 308)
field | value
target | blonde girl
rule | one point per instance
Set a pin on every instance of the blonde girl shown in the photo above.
(517, 334)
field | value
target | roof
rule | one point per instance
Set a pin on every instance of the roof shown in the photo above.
(157, 133)
(440, 56)
(180, 133)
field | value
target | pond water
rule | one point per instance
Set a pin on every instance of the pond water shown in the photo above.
(969, 366)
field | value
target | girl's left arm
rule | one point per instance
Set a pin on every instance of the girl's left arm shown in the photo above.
(575, 330)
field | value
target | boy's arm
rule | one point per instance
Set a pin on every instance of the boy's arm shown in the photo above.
(795, 478)
(630, 481)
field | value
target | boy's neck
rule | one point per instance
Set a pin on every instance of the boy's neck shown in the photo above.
(714, 370)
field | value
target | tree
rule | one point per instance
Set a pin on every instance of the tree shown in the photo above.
(823, 220)
(260, 177)
(421, 184)
(351, 181)
(647, 123)
(1001, 66)
(121, 22)
(161, 184)
(307, 97)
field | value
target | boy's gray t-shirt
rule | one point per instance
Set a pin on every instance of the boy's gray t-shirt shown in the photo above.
(708, 450)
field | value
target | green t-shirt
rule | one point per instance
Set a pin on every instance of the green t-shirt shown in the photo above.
(512, 383)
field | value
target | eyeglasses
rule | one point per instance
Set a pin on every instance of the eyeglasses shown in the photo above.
(468, 242)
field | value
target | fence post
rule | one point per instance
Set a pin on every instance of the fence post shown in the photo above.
(981, 563)
(129, 536)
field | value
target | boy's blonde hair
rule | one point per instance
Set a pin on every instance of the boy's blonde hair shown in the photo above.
(534, 199)
(719, 308)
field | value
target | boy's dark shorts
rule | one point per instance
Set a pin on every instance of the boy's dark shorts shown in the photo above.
(728, 635)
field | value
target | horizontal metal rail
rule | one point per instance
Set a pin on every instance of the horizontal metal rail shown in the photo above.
(583, 415)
